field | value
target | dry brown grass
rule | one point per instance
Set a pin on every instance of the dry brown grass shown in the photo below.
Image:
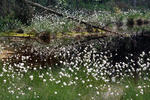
(4, 54)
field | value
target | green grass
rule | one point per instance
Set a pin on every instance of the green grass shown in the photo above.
(45, 90)
(138, 90)
(63, 84)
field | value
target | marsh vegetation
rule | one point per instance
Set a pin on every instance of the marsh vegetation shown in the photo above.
(87, 50)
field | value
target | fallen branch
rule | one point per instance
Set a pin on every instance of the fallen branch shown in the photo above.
(69, 17)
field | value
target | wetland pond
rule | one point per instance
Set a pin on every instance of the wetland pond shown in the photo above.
(100, 69)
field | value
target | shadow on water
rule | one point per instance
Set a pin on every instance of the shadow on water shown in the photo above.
(133, 51)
